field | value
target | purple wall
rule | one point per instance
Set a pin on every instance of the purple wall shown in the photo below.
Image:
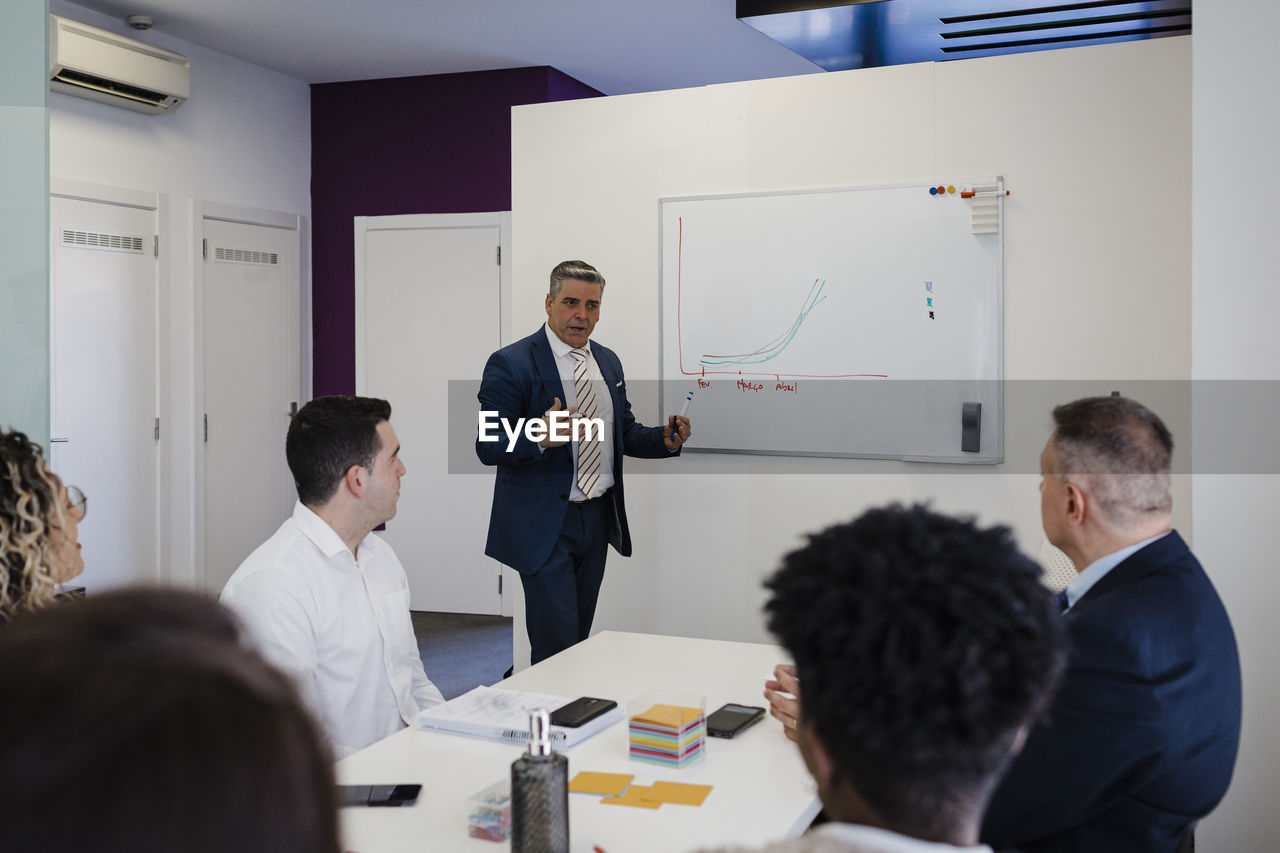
(439, 144)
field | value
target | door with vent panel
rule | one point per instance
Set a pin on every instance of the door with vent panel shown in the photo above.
(251, 353)
(104, 382)
(410, 268)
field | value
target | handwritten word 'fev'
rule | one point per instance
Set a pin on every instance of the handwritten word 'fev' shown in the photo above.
(704, 383)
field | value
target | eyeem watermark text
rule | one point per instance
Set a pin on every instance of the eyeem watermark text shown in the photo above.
(560, 426)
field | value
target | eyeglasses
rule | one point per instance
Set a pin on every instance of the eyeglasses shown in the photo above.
(77, 501)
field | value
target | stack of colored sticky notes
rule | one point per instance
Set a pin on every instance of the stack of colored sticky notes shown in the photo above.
(672, 735)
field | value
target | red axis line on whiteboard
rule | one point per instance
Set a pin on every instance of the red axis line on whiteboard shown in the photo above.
(789, 375)
(704, 371)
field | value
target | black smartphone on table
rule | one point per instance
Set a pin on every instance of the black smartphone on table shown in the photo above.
(732, 718)
(378, 795)
(581, 711)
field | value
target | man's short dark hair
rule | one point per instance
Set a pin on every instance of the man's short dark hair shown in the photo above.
(137, 720)
(1121, 449)
(578, 270)
(328, 436)
(923, 644)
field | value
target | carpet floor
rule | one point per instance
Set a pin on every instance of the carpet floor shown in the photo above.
(463, 650)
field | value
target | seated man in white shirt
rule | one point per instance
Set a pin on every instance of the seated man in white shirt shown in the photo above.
(927, 647)
(326, 600)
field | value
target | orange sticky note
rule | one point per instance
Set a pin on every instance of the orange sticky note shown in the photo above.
(612, 784)
(680, 793)
(638, 796)
(668, 716)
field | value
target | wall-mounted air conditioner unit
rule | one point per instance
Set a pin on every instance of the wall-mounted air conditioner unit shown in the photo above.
(102, 66)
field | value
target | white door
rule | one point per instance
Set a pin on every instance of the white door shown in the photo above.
(104, 385)
(430, 314)
(251, 352)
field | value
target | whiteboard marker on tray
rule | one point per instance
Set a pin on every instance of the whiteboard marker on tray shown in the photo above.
(971, 193)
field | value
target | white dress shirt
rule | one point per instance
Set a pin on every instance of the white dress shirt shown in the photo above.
(338, 625)
(1099, 568)
(853, 838)
(565, 363)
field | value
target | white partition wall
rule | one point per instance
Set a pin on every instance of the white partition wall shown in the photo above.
(1096, 278)
(1235, 303)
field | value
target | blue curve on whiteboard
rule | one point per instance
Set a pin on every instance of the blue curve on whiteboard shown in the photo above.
(773, 349)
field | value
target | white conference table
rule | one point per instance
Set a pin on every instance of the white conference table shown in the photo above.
(761, 791)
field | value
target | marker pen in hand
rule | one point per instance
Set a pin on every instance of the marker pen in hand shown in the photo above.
(674, 430)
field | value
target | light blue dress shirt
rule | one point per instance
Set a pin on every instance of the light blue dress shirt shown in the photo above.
(1098, 569)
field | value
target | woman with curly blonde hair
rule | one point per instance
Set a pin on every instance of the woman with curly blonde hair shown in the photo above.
(39, 528)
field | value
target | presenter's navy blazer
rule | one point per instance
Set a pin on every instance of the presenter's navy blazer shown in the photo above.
(1142, 737)
(531, 490)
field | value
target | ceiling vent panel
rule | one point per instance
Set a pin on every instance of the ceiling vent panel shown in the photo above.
(842, 35)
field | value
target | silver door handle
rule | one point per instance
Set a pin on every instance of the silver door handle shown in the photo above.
(59, 440)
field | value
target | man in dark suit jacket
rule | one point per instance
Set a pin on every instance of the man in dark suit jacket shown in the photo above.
(557, 504)
(1141, 740)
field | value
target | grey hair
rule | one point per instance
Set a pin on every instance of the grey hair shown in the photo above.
(1120, 452)
(580, 270)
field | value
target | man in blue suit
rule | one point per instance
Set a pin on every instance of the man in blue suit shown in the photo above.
(557, 503)
(1141, 740)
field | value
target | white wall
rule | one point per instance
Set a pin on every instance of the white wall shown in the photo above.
(1235, 303)
(1097, 283)
(243, 138)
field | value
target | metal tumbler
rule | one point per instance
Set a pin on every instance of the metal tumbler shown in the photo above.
(540, 793)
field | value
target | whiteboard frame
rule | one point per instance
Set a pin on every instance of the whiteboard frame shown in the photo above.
(998, 457)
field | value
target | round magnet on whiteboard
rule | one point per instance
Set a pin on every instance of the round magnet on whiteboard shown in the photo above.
(941, 190)
(933, 190)
(950, 188)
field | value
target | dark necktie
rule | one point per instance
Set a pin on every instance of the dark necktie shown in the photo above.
(1061, 601)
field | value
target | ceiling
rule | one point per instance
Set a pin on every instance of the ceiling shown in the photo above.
(843, 34)
(616, 46)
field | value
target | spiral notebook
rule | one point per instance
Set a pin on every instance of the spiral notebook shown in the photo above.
(492, 713)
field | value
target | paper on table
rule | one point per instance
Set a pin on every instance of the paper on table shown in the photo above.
(497, 714)
(637, 796)
(679, 793)
(653, 796)
(612, 784)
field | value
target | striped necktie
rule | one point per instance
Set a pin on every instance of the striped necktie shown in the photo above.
(588, 452)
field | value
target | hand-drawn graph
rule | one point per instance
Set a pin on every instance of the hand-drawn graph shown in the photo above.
(733, 364)
(774, 348)
(786, 309)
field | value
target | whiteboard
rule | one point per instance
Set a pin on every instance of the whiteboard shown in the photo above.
(851, 322)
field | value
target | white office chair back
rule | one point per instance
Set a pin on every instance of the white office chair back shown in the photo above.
(1059, 571)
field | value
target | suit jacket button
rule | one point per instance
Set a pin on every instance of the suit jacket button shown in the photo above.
(564, 497)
